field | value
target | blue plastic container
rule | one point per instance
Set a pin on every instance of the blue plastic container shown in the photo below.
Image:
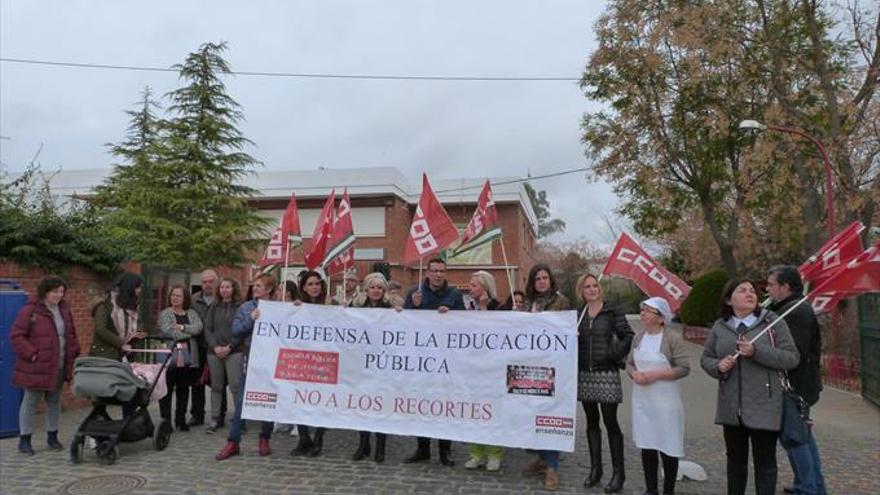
(12, 298)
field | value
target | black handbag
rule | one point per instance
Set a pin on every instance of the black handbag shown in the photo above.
(795, 412)
(795, 416)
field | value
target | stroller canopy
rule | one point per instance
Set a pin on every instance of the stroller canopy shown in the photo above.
(105, 378)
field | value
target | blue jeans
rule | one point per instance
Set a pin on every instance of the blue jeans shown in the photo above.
(807, 468)
(550, 458)
(238, 423)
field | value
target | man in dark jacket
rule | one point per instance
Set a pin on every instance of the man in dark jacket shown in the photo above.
(785, 288)
(201, 301)
(434, 293)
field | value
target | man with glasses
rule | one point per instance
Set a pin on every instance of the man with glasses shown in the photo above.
(434, 293)
(785, 288)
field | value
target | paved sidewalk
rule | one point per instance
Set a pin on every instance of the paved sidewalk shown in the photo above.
(848, 433)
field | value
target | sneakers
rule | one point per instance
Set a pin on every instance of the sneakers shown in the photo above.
(475, 463)
(492, 464)
(215, 425)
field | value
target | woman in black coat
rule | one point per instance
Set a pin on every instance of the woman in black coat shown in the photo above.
(604, 340)
(312, 290)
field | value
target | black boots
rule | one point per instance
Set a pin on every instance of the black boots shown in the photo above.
(317, 442)
(594, 440)
(422, 453)
(24, 445)
(52, 440)
(615, 444)
(363, 450)
(379, 457)
(445, 446)
(304, 444)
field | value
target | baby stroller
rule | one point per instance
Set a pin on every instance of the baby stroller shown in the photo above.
(109, 382)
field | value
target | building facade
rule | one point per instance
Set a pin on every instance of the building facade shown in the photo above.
(383, 205)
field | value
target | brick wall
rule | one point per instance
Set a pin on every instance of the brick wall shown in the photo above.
(82, 286)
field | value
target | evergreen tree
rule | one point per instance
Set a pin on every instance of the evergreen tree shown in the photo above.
(541, 205)
(178, 202)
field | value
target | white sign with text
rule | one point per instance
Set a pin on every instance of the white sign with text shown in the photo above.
(493, 377)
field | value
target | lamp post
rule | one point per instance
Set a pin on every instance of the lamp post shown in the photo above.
(829, 191)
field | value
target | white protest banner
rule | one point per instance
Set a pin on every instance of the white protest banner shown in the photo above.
(494, 377)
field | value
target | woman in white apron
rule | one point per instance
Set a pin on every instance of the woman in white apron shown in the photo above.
(655, 364)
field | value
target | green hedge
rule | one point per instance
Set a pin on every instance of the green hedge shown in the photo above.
(701, 306)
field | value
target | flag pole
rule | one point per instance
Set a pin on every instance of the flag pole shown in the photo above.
(284, 273)
(777, 320)
(506, 267)
(419, 283)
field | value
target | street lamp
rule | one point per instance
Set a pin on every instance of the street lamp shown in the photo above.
(754, 125)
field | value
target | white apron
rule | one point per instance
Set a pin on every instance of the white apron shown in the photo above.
(657, 410)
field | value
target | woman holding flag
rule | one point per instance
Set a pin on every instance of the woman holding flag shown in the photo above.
(749, 404)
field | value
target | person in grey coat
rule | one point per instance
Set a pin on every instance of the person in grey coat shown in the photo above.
(180, 322)
(749, 404)
(224, 360)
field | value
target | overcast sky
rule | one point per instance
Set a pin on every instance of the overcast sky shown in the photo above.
(447, 129)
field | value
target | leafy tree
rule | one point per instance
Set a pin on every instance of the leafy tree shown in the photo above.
(678, 77)
(41, 230)
(703, 303)
(177, 200)
(541, 205)
(569, 261)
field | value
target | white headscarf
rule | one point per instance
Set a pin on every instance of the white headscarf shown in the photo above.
(660, 305)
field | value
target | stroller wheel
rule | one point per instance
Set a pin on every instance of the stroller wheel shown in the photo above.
(162, 435)
(76, 449)
(107, 454)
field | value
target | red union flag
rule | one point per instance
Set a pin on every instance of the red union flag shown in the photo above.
(287, 232)
(483, 226)
(858, 276)
(842, 248)
(431, 229)
(342, 235)
(344, 261)
(321, 234)
(629, 260)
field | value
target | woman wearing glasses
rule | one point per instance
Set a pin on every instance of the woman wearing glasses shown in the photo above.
(658, 359)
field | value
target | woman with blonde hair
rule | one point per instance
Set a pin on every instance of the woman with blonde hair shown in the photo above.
(483, 297)
(373, 296)
(604, 339)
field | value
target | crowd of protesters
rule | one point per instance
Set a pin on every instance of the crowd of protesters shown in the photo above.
(211, 334)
